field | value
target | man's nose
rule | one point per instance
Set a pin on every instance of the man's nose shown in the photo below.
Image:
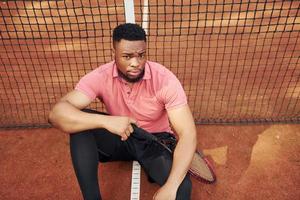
(134, 62)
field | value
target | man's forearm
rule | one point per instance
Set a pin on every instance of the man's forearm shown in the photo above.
(70, 119)
(182, 158)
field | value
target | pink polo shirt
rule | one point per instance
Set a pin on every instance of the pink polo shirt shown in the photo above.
(148, 100)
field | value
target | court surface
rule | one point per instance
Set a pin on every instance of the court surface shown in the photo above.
(251, 162)
(261, 81)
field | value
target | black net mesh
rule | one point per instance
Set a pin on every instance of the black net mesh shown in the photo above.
(237, 60)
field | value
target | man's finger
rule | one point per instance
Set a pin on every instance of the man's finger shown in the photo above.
(124, 137)
(127, 132)
(132, 121)
(130, 128)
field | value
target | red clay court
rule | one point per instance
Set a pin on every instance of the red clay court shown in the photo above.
(237, 60)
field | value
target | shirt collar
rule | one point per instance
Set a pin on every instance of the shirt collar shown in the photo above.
(146, 76)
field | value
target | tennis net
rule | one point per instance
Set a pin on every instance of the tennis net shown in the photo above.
(237, 60)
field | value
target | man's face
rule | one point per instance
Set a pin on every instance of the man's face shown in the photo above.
(130, 57)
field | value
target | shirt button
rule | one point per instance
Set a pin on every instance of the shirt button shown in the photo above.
(128, 92)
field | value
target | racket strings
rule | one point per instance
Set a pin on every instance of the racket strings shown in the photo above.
(201, 168)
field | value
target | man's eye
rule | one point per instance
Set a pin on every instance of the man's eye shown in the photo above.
(142, 55)
(126, 57)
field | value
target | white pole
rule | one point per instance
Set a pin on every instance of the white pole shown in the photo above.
(145, 16)
(129, 11)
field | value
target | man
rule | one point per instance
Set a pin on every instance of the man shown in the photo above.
(135, 92)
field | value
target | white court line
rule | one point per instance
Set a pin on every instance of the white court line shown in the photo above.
(135, 181)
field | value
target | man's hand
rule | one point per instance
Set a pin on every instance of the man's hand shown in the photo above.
(120, 125)
(165, 193)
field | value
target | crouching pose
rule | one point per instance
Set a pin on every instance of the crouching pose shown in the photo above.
(137, 94)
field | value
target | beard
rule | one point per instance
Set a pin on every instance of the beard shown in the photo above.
(132, 80)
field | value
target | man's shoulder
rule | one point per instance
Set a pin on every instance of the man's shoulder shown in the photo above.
(105, 68)
(156, 65)
(159, 69)
(100, 73)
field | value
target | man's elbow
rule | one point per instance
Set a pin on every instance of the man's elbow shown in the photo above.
(54, 119)
(51, 116)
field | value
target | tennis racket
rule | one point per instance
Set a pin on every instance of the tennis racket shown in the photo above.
(200, 167)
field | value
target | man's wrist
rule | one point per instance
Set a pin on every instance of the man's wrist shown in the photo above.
(102, 121)
(172, 184)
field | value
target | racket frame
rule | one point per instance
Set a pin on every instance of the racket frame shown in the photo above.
(209, 166)
(198, 152)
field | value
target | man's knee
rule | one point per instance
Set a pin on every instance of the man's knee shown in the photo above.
(82, 139)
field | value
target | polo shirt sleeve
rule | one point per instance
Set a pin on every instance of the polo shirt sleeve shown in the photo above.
(88, 85)
(173, 94)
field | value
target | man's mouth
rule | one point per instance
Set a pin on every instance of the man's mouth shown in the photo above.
(133, 76)
(134, 73)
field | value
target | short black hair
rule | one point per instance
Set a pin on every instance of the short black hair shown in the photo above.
(129, 31)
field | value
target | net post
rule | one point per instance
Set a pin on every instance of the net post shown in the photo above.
(129, 11)
(145, 16)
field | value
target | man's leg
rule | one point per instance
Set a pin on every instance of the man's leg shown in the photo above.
(157, 163)
(87, 149)
(85, 162)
